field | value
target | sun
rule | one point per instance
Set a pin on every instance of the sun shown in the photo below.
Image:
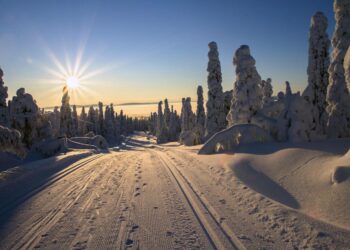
(73, 82)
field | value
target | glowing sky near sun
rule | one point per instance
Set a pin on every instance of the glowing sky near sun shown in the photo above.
(141, 51)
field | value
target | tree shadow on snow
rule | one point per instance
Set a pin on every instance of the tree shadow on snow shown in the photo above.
(264, 185)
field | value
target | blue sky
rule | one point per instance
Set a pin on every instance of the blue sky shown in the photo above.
(149, 50)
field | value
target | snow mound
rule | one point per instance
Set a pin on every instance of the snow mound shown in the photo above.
(230, 138)
(310, 177)
(51, 147)
(97, 141)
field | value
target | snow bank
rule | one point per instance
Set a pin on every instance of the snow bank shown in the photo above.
(285, 171)
(234, 136)
(97, 141)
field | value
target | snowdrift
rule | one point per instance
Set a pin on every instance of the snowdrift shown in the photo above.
(311, 177)
(230, 138)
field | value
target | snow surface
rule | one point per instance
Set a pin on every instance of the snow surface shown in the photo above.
(150, 196)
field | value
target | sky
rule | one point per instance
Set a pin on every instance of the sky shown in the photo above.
(144, 51)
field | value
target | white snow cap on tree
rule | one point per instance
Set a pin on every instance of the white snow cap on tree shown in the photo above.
(318, 77)
(215, 105)
(24, 115)
(338, 98)
(247, 94)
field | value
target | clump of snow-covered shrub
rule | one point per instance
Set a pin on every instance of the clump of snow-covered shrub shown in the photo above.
(318, 77)
(247, 94)
(51, 147)
(24, 115)
(338, 98)
(10, 141)
(215, 119)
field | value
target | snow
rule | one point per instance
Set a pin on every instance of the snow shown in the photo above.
(168, 196)
(347, 68)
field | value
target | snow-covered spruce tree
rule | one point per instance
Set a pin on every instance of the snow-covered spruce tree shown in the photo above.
(109, 132)
(215, 119)
(173, 126)
(82, 123)
(24, 115)
(75, 120)
(122, 122)
(100, 127)
(187, 136)
(200, 115)
(267, 91)
(4, 116)
(91, 127)
(247, 94)
(338, 98)
(161, 130)
(66, 121)
(166, 113)
(295, 121)
(318, 77)
(54, 118)
(114, 123)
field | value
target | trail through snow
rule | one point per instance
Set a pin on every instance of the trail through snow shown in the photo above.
(149, 197)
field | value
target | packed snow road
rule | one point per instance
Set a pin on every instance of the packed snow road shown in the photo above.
(134, 199)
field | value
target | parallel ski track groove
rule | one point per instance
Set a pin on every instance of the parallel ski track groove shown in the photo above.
(216, 242)
(45, 184)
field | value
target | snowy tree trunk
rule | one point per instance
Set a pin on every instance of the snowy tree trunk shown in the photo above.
(247, 94)
(318, 77)
(215, 119)
(338, 98)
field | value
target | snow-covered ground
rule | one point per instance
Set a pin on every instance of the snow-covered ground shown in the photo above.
(148, 196)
